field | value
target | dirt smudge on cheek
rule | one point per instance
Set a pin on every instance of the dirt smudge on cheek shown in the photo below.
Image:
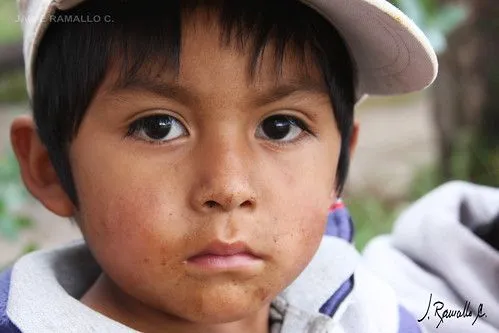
(263, 294)
(195, 304)
(275, 239)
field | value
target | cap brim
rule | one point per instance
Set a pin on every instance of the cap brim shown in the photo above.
(391, 54)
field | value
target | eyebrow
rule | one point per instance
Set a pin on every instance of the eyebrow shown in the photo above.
(167, 89)
(290, 88)
(188, 95)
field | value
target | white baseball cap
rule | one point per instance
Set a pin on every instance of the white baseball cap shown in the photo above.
(391, 54)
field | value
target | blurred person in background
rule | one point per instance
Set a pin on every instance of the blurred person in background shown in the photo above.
(442, 258)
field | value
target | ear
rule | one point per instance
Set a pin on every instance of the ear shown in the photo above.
(37, 170)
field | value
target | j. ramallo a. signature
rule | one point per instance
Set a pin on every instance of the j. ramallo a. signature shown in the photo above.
(443, 313)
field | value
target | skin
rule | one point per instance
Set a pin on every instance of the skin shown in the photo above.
(146, 208)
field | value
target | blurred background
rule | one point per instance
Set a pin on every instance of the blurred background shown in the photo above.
(408, 145)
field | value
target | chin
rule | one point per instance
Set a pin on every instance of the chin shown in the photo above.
(223, 308)
(228, 315)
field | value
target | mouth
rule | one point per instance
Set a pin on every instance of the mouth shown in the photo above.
(220, 256)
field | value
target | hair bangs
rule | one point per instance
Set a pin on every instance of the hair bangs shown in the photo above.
(144, 37)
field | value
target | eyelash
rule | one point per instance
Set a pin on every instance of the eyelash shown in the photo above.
(139, 125)
(295, 121)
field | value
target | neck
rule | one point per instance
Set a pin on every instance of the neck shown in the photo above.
(106, 298)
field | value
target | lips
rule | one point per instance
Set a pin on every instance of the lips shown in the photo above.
(225, 256)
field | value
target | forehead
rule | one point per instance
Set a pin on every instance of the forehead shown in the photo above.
(210, 54)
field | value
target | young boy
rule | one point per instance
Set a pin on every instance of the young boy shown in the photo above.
(199, 145)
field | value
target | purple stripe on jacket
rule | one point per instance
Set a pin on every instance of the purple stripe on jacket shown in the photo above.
(339, 224)
(6, 326)
(407, 323)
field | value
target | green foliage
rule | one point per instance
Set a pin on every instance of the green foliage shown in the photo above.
(484, 168)
(10, 30)
(424, 180)
(429, 177)
(371, 217)
(437, 21)
(13, 197)
(13, 87)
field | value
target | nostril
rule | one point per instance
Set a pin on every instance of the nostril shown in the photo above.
(247, 204)
(215, 204)
(211, 204)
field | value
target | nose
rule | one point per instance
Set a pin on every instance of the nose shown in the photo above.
(223, 177)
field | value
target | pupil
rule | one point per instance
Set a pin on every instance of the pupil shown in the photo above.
(157, 127)
(276, 127)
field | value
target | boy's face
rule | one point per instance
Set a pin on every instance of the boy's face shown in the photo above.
(220, 159)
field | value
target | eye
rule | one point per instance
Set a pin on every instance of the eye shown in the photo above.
(281, 128)
(157, 128)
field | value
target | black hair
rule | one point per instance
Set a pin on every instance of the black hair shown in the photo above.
(74, 57)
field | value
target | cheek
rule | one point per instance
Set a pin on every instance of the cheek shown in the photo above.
(137, 243)
(127, 219)
(296, 236)
(299, 212)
